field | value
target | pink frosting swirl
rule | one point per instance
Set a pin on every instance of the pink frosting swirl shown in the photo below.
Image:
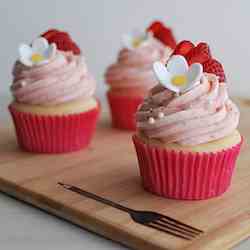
(64, 78)
(203, 114)
(134, 67)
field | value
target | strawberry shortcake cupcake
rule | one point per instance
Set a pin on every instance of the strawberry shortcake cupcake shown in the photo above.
(187, 138)
(131, 76)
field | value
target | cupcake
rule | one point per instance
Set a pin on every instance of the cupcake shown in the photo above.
(53, 110)
(131, 77)
(187, 140)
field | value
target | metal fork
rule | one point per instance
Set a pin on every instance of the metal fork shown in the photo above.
(150, 219)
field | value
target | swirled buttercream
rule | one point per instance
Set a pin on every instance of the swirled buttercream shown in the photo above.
(203, 114)
(133, 68)
(64, 78)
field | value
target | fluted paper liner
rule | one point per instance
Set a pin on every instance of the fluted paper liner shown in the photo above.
(123, 109)
(54, 133)
(185, 175)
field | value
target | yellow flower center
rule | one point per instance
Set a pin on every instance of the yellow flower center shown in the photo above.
(36, 58)
(179, 80)
(137, 42)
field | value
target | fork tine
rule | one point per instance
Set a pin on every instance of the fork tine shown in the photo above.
(173, 227)
(168, 231)
(181, 223)
(181, 227)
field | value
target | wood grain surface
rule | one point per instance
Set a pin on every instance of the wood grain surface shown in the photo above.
(109, 168)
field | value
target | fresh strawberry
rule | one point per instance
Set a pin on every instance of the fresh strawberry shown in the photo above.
(166, 37)
(199, 54)
(62, 40)
(183, 48)
(162, 33)
(76, 50)
(155, 27)
(215, 67)
(55, 37)
(65, 45)
(49, 33)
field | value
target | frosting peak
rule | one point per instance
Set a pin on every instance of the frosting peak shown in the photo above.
(202, 114)
(64, 78)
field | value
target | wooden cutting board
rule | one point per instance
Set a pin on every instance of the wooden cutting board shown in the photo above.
(109, 168)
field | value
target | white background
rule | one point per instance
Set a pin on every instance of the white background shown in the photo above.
(97, 26)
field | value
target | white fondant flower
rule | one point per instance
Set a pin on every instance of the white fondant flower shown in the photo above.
(38, 53)
(177, 76)
(136, 39)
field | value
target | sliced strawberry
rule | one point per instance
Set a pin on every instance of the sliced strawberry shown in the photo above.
(60, 36)
(163, 34)
(183, 48)
(65, 45)
(215, 67)
(166, 37)
(62, 40)
(199, 54)
(155, 27)
(49, 33)
(75, 48)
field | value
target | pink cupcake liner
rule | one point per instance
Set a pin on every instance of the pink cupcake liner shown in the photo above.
(54, 134)
(123, 109)
(185, 175)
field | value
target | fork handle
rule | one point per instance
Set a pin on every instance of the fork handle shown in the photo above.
(97, 198)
